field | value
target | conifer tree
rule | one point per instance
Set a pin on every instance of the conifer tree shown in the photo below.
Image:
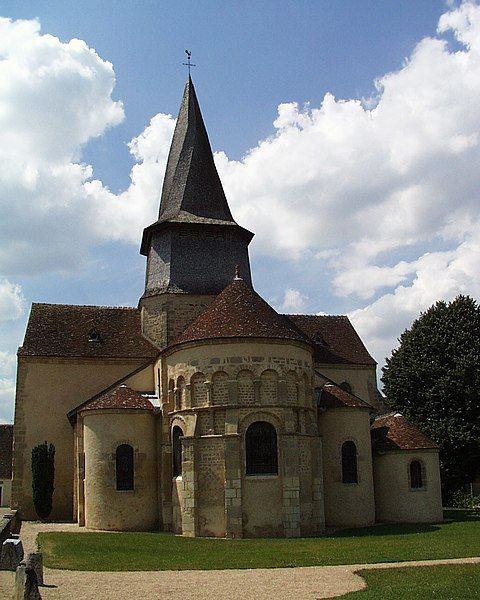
(433, 378)
(43, 475)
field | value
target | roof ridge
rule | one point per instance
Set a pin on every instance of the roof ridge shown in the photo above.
(315, 316)
(85, 306)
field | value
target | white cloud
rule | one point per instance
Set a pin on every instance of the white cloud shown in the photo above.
(353, 182)
(12, 301)
(7, 393)
(438, 276)
(54, 98)
(293, 300)
(7, 364)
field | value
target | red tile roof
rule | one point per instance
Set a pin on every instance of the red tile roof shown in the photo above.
(395, 432)
(6, 451)
(333, 396)
(65, 330)
(336, 341)
(119, 397)
(239, 312)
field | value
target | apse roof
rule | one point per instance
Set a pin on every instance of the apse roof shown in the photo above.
(395, 432)
(239, 312)
(120, 396)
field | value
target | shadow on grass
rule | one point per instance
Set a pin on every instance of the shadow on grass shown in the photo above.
(450, 515)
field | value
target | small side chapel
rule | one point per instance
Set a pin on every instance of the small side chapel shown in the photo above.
(205, 412)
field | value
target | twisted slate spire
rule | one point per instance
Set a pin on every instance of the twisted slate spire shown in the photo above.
(192, 190)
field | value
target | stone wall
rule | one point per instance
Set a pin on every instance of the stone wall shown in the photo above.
(105, 506)
(395, 500)
(165, 316)
(347, 504)
(48, 388)
(214, 391)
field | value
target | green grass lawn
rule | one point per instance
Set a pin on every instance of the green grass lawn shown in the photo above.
(455, 582)
(458, 537)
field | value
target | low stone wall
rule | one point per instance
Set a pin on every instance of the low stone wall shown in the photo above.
(9, 523)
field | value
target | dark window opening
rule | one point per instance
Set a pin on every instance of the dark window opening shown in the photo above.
(124, 467)
(349, 463)
(177, 433)
(94, 336)
(318, 396)
(416, 481)
(261, 449)
(346, 386)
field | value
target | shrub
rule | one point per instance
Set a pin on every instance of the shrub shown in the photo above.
(463, 499)
(43, 474)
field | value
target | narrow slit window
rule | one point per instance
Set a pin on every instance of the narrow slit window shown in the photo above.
(124, 467)
(177, 433)
(349, 463)
(416, 479)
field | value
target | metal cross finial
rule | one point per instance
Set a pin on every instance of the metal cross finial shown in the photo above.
(188, 63)
(237, 273)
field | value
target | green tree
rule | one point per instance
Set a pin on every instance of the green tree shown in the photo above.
(43, 475)
(433, 378)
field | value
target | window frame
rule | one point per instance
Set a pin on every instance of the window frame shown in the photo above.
(125, 483)
(253, 463)
(177, 451)
(419, 476)
(349, 472)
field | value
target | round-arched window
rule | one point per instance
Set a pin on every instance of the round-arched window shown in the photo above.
(349, 462)
(416, 479)
(261, 452)
(124, 467)
(177, 433)
(346, 386)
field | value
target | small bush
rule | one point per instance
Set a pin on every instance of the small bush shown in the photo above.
(43, 474)
(463, 499)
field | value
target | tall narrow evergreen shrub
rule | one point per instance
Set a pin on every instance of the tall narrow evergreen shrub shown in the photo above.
(43, 474)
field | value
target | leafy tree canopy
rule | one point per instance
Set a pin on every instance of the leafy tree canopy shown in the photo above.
(433, 378)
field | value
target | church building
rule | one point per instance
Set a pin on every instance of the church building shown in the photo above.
(204, 412)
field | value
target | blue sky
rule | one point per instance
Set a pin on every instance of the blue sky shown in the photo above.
(363, 201)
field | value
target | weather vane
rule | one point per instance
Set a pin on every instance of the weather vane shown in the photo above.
(188, 63)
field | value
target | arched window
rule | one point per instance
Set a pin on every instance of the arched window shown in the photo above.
(349, 463)
(416, 480)
(261, 452)
(346, 386)
(177, 433)
(124, 467)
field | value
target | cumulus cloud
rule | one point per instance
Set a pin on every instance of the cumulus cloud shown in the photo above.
(7, 391)
(7, 364)
(12, 301)
(293, 301)
(352, 184)
(54, 98)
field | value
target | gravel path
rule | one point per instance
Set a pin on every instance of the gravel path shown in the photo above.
(302, 583)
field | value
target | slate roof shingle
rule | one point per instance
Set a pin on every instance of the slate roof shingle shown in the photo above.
(239, 312)
(336, 341)
(119, 397)
(395, 432)
(64, 330)
(333, 396)
(6, 451)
